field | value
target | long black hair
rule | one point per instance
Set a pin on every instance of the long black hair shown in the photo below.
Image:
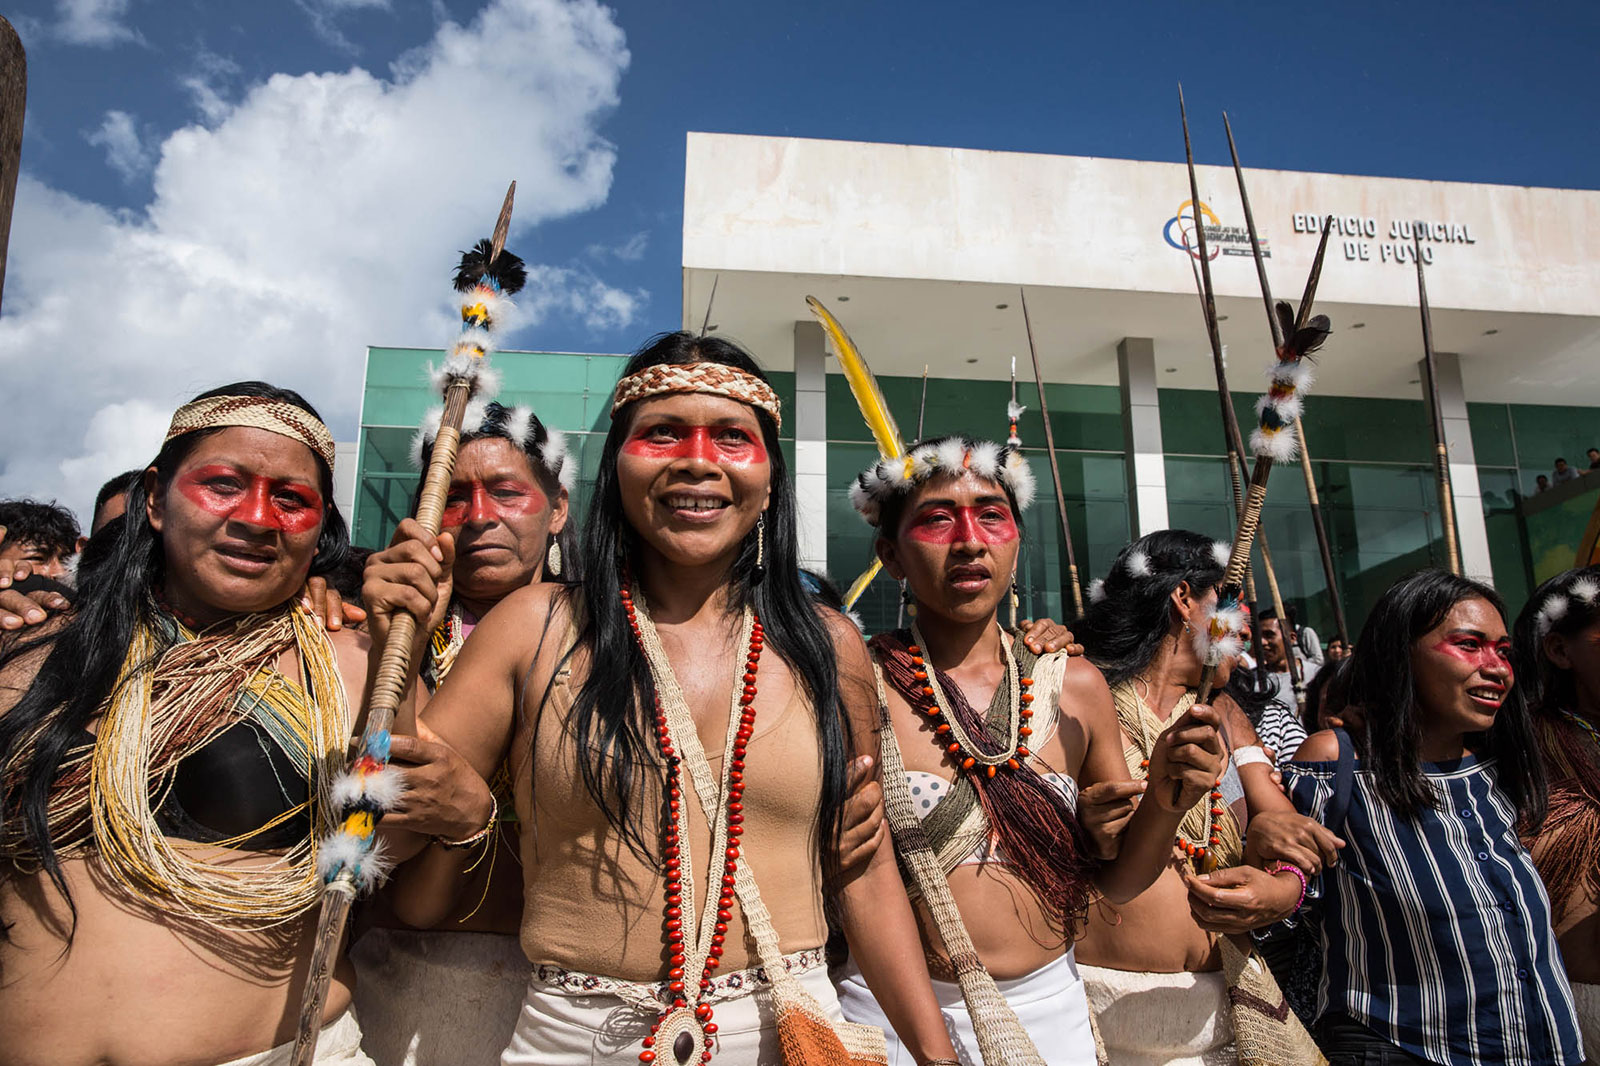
(1557, 606)
(606, 715)
(83, 658)
(1383, 685)
(1130, 611)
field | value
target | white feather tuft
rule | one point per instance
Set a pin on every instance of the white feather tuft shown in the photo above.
(501, 308)
(1222, 552)
(863, 500)
(986, 460)
(382, 788)
(472, 418)
(1138, 564)
(519, 426)
(1278, 445)
(425, 435)
(950, 456)
(558, 460)
(1097, 590)
(341, 851)
(1586, 589)
(856, 618)
(1287, 408)
(1014, 410)
(1019, 475)
(1219, 633)
(1553, 610)
(921, 466)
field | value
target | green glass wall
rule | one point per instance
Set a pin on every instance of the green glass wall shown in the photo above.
(1372, 462)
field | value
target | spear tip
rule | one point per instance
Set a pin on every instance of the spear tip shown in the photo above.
(502, 226)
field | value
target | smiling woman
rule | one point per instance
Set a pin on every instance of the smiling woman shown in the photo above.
(1439, 914)
(164, 755)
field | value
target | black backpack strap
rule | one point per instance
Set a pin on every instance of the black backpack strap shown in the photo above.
(1344, 780)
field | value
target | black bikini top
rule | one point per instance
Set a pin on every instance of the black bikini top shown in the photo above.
(238, 781)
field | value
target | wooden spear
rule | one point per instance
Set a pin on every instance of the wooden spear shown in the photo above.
(13, 105)
(922, 410)
(1441, 450)
(1233, 440)
(1302, 316)
(1055, 470)
(391, 680)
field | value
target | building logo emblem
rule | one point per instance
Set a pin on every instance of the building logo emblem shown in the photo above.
(1179, 232)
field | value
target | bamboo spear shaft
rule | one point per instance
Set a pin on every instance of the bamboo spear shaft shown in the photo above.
(389, 686)
(1441, 450)
(1055, 469)
(1302, 316)
(13, 107)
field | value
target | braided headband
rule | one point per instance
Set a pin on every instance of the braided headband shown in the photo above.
(257, 412)
(955, 456)
(716, 379)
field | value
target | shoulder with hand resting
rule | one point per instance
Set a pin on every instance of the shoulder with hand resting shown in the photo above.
(1321, 746)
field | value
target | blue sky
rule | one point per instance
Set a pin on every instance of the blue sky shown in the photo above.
(190, 155)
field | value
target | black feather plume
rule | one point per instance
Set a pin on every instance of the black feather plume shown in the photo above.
(1310, 338)
(1285, 318)
(507, 270)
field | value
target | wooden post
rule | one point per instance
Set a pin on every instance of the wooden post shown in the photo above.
(1075, 588)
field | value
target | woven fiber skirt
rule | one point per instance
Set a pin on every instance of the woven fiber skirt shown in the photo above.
(430, 998)
(1152, 1019)
(1049, 1002)
(577, 1019)
(1587, 1000)
(339, 1044)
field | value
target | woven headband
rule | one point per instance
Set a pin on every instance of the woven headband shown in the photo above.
(274, 416)
(953, 456)
(716, 379)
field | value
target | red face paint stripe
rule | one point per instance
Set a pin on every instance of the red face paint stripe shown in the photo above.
(731, 445)
(286, 506)
(1490, 658)
(479, 502)
(967, 525)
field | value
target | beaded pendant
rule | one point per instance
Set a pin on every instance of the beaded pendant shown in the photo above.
(958, 747)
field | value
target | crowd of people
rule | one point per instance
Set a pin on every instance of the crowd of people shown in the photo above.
(664, 802)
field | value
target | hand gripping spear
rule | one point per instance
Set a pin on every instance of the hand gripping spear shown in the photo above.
(350, 859)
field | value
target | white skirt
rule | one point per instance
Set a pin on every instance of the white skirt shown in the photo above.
(563, 1025)
(339, 1044)
(438, 998)
(1049, 1002)
(1162, 1019)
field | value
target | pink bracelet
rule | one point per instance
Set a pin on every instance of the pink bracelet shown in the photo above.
(1280, 867)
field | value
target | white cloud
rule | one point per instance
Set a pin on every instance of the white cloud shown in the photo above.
(208, 84)
(323, 12)
(318, 215)
(629, 251)
(96, 23)
(125, 152)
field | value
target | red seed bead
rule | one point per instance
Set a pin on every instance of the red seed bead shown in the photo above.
(1012, 763)
(1022, 751)
(988, 771)
(968, 763)
(942, 728)
(647, 1056)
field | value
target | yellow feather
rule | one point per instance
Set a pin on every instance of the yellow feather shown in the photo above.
(859, 585)
(863, 385)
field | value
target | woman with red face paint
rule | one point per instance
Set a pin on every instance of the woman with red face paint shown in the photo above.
(990, 797)
(166, 755)
(1557, 652)
(1155, 966)
(678, 728)
(456, 991)
(1436, 928)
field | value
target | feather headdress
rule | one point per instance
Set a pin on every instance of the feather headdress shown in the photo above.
(1290, 378)
(517, 424)
(944, 457)
(1582, 591)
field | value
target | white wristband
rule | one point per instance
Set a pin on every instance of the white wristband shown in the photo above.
(1243, 757)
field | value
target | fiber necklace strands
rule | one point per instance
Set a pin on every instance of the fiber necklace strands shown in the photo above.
(1208, 827)
(1568, 857)
(1035, 832)
(443, 647)
(685, 1032)
(157, 715)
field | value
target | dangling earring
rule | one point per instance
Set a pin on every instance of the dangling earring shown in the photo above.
(1015, 600)
(758, 573)
(908, 600)
(552, 559)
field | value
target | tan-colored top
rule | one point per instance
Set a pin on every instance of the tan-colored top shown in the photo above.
(591, 904)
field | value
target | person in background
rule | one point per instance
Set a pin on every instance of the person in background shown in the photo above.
(1557, 652)
(1437, 943)
(1336, 652)
(1278, 724)
(44, 535)
(111, 502)
(1563, 472)
(1594, 458)
(1541, 483)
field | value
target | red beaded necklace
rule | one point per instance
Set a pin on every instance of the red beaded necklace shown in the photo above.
(684, 1043)
(959, 747)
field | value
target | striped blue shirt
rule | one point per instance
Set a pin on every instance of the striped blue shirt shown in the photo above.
(1436, 931)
